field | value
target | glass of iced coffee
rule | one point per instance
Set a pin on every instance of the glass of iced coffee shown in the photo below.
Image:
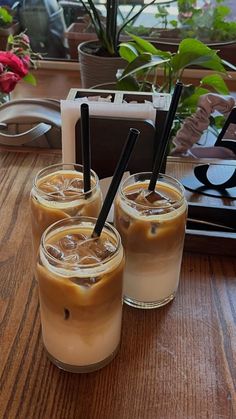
(152, 229)
(58, 193)
(80, 289)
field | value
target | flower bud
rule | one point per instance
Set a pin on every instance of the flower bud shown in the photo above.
(25, 38)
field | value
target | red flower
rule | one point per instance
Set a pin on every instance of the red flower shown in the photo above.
(14, 63)
(26, 60)
(8, 81)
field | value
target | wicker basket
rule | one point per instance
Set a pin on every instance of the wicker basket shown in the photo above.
(95, 69)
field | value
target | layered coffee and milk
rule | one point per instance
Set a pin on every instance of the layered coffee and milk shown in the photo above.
(58, 193)
(152, 228)
(80, 287)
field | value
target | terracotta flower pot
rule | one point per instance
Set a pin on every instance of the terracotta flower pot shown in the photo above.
(96, 69)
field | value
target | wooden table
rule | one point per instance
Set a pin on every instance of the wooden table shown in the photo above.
(51, 83)
(178, 362)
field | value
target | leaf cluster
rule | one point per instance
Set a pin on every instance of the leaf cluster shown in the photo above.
(206, 23)
(6, 17)
(156, 70)
(107, 29)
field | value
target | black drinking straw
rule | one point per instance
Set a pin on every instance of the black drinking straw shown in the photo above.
(119, 171)
(165, 136)
(85, 144)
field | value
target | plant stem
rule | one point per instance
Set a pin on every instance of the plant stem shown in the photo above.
(132, 19)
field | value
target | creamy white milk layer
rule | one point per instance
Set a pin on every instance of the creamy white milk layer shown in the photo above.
(66, 344)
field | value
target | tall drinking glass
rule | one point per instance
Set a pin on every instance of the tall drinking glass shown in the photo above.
(152, 229)
(80, 289)
(58, 193)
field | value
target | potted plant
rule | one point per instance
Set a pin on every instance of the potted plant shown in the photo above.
(144, 61)
(208, 24)
(99, 60)
(8, 26)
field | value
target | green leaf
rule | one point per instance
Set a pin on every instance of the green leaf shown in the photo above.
(5, 16)
(193, 99)
(127, 84)
(144, 45)
(29, 78)
(10, 39)
(216, 82)
(143, 61)
(188, 90)
(128, 51)
(218, 121)
(174, 23)
(194, 52)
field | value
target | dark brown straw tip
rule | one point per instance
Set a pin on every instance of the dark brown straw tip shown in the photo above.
(85, 144)
(164, 141)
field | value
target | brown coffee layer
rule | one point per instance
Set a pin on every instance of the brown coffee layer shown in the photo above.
(46, 212)
(144, 231)
(86, 307)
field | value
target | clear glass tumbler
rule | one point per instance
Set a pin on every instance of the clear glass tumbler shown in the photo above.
(80, 288)
(58, 193)
(152, 229)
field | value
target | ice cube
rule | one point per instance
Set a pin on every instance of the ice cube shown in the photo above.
(133, 195)
(62, 180)
(66, 313)
(154, 196)
(47, 187)
(72, 258)
(58, 181)
(78, 237)
(109, 246)
(153, 211)
(55, 252)
(141, 199)
(154, 228)
(86, 282)
(89, 260)
(75, 184)
(65, 185)
(101, 249)
(68, 242)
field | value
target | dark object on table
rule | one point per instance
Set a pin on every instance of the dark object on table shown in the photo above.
(212, 217)
(224, 142)
(219, 186)
(106, 144)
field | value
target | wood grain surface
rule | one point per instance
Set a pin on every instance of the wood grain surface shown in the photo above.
(178, 362)
(51, 83)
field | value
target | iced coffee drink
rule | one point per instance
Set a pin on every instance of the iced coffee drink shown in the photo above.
(80, 289)
(152, 229)
(58, 193)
